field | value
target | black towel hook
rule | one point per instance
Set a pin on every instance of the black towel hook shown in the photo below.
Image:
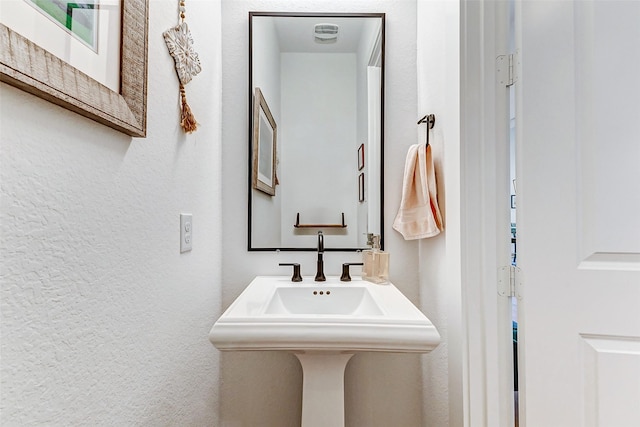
(430, 120)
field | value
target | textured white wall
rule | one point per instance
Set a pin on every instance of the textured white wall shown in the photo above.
(439, 93)
(263, 388)
(104, 322)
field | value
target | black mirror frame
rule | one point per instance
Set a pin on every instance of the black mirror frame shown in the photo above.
(250, 116)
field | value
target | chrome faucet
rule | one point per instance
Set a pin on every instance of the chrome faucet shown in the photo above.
(320, 272)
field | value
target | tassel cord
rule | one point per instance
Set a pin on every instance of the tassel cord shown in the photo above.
(187, 119)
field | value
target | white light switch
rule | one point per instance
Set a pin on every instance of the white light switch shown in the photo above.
(186, 232)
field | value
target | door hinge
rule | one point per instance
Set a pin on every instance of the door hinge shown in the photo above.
(507, 69)
(510, 282)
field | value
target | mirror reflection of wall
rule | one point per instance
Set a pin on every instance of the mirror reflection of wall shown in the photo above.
(326, 99)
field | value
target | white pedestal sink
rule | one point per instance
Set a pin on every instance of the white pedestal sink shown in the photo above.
(324, 324)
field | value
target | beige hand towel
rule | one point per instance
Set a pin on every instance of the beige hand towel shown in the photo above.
(419, 215)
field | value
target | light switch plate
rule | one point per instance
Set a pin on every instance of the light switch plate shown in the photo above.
(186, 232)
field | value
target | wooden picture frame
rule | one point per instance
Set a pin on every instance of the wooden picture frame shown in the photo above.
(264, 142)
(29, 67)
(361, 187)
(361, 157)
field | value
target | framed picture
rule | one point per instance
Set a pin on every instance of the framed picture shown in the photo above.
(513, 201)
(361, 187)
(361, 157)
(28, 66)
(264, 146)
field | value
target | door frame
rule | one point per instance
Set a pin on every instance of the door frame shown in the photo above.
(487, 363)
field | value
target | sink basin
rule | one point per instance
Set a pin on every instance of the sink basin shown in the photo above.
(352, 300)
(323, 324)
(273, 313)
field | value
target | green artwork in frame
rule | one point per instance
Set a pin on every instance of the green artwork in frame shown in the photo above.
(79, 18)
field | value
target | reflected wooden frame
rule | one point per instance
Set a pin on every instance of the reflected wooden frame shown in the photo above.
(29, 67)
(263, 149)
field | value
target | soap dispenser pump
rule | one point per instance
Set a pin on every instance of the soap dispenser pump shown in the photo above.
(375, 262)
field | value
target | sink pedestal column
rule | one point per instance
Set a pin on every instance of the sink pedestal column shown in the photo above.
(323, 388)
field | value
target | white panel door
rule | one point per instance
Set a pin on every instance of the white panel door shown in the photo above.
(578, 189)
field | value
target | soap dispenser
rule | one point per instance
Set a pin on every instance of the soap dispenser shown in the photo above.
(375, 262)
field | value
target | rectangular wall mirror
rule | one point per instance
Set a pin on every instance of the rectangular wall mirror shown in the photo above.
(322, 77)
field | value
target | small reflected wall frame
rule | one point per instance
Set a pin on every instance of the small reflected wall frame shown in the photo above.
(361, 187)
(361, 157)
(264, 141)
(29, 67)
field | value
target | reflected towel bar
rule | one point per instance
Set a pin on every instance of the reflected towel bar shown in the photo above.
(298, 225)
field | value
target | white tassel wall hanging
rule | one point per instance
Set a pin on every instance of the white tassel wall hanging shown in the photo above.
(180, 44)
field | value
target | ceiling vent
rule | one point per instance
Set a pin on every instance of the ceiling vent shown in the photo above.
(325, 33)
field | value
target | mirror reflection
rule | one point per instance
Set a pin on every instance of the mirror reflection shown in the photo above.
(316, 85)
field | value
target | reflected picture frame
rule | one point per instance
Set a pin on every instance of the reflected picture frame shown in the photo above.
(361, 187)
(264, 144)
(29, 67)
(361, 157)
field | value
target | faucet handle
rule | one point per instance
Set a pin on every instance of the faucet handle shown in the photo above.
(345, 271)
(296, 271)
